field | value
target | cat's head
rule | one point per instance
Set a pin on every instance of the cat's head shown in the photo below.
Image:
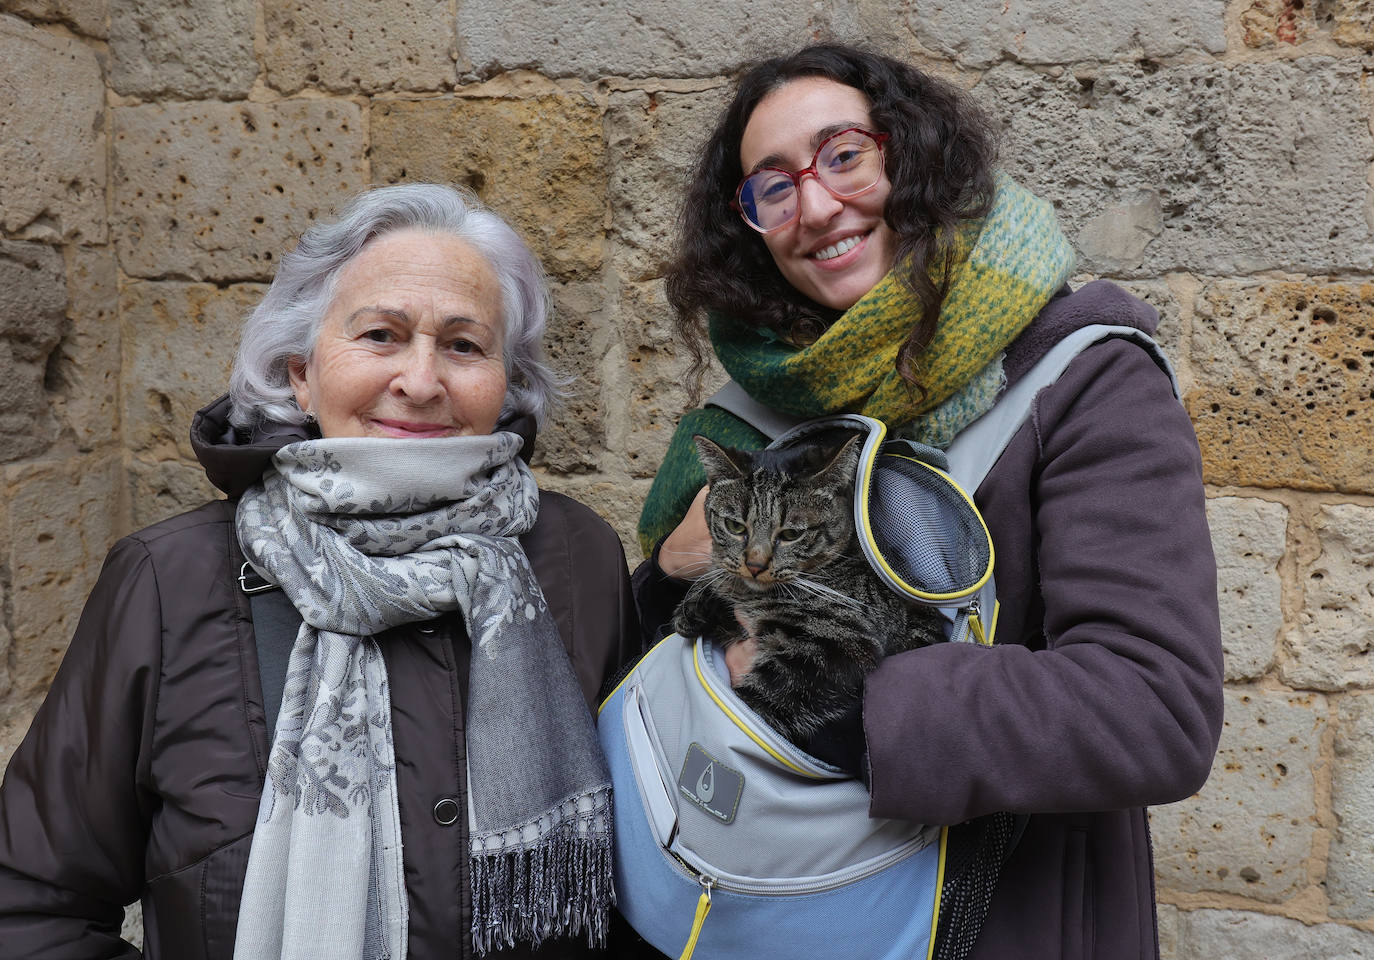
(779, 514)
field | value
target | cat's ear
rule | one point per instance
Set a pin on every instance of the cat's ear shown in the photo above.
(717, 460)
(840, 470)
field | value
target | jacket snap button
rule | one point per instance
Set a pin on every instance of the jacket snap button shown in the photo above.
(446, 812)
(426, 628)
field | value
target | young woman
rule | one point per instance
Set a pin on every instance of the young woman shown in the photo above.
(848, 246)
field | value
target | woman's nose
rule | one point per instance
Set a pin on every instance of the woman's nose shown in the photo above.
(416, 379)
(816, 204)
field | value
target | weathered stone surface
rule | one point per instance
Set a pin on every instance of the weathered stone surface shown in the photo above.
(1167, 921)
(1249, 537)
(1251, 167)
(652, 141)
(639, 38)
(1217, 934)
(5, 639)
(363, 45)
(52, 139)
(979, 33)
(85, 372)
(84, 16)
(574, 440)
(1332, 643)
(538, 161)
(1277, 23)
(219, 191)
(132, 929)
(179, 343)
(1250, 831)
(33, 303)
(165, 488)
(1159, 295)
(186, 48)
(62, 517)
(1283, 389)
(1350, 864)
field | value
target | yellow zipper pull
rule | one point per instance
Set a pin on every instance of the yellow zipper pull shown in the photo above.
(703, 908)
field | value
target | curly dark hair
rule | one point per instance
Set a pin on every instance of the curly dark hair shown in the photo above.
(939, 159)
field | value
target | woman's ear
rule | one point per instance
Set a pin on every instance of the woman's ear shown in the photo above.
(296, 372)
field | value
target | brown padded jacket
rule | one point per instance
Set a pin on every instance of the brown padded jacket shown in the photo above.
(141, 774)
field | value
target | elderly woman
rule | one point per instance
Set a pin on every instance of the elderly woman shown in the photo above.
(344, 713)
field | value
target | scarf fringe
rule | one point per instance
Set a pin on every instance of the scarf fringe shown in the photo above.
(554, 886)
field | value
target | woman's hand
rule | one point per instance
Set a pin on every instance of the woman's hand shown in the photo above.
(739, 659)
(686, 551)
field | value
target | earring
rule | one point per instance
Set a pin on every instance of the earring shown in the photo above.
(309, 416)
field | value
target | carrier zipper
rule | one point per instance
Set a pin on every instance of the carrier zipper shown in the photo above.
(699, 920)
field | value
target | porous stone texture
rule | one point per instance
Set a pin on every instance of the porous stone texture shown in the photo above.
(159, 489)
(979, 33)
(33, 303)
(538, 161)
(1332, 643)
(1249, 537)
(52, 142)
(5, 638)
(1158, 294)
(1250, 830)
(187, 48)
(1160, 169)
(85, 371)
(61, 517)
(1217, 934)
(179, 343)
(1277, 23)
(638, 38)
(132, 929)
(574, 439)
(83, 16)
(1350, 870)
(348, 45)
(1283, 387)
(216, 191)
(652, 140)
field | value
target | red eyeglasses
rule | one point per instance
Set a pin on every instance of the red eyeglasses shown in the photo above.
(846, 163)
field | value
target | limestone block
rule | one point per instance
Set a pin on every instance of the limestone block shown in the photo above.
(359, 45)
(640, 38)
(979, 33)
(186, 48)
(179, 344)
(1277, 23)
(5, 642)
(164, 488)
(52, 137)
(1159, 295)
(219, 191)
(1282, 393)
(1332, 644)
(62, 517)
(1167, 922)
(33, 303)
(538, 161)
(1350, 864)
(84, 16)
(86, 369)
(652, 141)
(1249, 831)
(1215, 169)
(574, 439)
(1214, 934)
(1249, 537)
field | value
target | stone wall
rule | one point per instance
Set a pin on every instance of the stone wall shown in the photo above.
(1213, 155)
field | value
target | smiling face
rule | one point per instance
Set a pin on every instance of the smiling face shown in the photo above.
(411, 345)
(836, 250)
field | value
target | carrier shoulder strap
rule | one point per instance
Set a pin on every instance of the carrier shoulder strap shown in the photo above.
(977, 447)
(275, 625)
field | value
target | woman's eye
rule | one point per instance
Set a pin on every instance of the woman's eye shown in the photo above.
(735, 527)
(379, 335)
(465, 347)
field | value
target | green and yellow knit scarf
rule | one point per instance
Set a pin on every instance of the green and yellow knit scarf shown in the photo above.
(1004, 269)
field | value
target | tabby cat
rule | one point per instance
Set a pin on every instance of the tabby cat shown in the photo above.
(787, 569)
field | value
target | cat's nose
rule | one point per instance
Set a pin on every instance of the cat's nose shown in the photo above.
(755, 567)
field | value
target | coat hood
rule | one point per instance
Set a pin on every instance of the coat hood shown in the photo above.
(233, 459)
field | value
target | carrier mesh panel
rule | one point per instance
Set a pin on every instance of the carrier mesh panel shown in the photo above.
(924, 529)
(973, 862)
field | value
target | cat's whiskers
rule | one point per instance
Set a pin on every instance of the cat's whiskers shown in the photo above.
(820, 589)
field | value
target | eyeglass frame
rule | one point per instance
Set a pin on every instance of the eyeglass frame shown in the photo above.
(878, 138)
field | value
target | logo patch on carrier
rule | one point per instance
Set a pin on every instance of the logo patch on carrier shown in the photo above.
(710, 784)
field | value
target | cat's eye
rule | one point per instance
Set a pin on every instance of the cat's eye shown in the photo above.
(788, 534)
(735, 526)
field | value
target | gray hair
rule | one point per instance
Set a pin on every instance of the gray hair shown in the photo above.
(286, 323)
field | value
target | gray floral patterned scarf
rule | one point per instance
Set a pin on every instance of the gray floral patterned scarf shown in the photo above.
(364, 534)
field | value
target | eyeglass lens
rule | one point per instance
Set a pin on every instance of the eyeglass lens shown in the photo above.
(846, 164)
